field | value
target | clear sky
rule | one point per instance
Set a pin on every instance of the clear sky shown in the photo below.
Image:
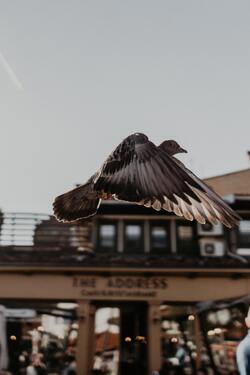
(76, 77)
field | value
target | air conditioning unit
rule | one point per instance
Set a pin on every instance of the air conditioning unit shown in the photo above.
(209, 229)
(243, 251)
(212, 247)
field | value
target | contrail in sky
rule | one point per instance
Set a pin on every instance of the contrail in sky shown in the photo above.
(12, 76)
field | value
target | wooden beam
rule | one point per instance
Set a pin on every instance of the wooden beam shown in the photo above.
(154, 337)
(84, 338)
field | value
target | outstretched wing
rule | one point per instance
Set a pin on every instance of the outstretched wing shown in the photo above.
(140, 172)
(211, 207)
(79, 203)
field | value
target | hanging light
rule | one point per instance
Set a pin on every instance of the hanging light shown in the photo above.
(211, 333)
(217, 331)
(174, 339)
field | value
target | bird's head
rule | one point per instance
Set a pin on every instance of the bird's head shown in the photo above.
(172, 147)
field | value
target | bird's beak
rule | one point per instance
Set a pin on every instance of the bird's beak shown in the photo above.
(182, 150)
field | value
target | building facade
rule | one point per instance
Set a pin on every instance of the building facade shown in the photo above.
(130, 290)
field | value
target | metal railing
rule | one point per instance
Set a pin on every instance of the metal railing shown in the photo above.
(40, 230)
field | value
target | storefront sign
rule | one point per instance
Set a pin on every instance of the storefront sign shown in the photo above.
(120, 287)
(65, 288)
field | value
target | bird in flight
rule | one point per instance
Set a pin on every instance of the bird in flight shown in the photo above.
(140, 172)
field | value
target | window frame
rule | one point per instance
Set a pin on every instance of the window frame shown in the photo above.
(103, 249)
(161, 223)
(243, 244)
(141, 248)
(193, 248)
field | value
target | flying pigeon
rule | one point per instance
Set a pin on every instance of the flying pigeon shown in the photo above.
(140, 172)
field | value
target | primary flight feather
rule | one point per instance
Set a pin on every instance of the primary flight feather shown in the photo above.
(140, 172)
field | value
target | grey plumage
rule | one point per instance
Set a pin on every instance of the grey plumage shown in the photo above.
(138, 171)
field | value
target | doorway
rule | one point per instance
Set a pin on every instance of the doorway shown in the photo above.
(121, 339)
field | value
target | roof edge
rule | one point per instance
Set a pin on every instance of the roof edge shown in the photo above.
(226, 174)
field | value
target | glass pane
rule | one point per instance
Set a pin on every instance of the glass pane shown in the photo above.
(187, 242)
(244, 226)
(107, 236)
(133, 237)
(182, 346)
(133, 232)
(121, 340)
(224, 329)
(47, 340)
(244, 233)
(159, 237)
(107, 339)
(185, 232)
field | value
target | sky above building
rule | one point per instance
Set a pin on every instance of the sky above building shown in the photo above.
(76, 77)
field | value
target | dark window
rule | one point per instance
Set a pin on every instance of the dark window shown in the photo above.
(187, 243)
(107, 236)
(133, 237)
(244, 234)
(159, 237)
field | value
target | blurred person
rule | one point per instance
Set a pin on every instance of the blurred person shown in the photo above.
(37, 367)
(178, 361)
(23, 362)
(243, 351)
(70, 368)
(180, 353)
(97, 366)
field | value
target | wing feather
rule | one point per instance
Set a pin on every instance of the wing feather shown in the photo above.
(142, 173)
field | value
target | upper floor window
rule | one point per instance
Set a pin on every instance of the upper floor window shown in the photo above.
(159, 237)
(186, 239)
(133, 237)
(107, 236)
(244, 234)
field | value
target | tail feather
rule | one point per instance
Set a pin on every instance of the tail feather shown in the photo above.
(79, 203)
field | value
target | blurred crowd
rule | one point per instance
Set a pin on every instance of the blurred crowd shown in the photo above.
(36, 366)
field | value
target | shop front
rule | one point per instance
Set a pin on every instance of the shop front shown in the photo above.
(135, 321)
